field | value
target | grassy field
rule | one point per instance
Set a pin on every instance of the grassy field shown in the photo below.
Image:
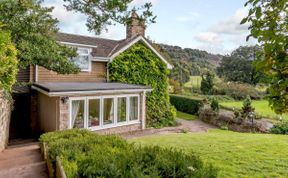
(235, 154)
(182, 115)
(194, 82)
(261, 107)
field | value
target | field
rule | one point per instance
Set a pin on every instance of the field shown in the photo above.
(261, 107)
(194, 82)
(235, 154)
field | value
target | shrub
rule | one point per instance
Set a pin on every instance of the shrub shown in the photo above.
(8, 62)
(247, 106)
(280, 128)
(139, 65)
(215, 105)
(207, 83)
(85, 154)
(185, 104)
(236, 90)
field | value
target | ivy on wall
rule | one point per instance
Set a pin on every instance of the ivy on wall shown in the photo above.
(140, 65)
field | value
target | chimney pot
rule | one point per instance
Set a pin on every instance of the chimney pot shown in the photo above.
(135, 26)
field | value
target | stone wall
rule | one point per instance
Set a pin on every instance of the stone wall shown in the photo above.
(5, 112)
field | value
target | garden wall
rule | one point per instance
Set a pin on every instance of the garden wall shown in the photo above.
(4, 121)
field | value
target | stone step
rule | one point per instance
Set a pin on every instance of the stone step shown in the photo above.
(20, 161)
(33, 170)
(15, 153)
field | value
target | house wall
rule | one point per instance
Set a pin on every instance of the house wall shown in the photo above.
(4, 122)
(97, 74)
(47, 112)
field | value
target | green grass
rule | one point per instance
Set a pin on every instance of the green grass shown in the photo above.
(194, 82)
(261, 107)
(182, 115)
(235, 154)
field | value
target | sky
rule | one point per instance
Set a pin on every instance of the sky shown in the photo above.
(211, 25)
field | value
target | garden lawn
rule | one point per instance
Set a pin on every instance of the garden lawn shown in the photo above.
(261, 107)
(194, 82)
(185, 116)
(235, 154)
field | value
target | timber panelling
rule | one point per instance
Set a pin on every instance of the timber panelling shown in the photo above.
(97, 74)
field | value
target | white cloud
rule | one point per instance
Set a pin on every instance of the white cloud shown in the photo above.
(232, 24)
(208, 37)
(141, 2)
(187, 17)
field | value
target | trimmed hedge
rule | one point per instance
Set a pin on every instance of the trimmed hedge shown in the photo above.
(185, 104)
(85, 154)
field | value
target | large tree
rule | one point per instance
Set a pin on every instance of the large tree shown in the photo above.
(238, 66)
(101, 13)
(269, 25)
(33, 32)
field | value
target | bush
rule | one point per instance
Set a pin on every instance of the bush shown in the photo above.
(84, 154)
(236, 90)
(280, 128)
(185, 104)
(215, 105)
(139, 65)
(8, 62)
(207, 83)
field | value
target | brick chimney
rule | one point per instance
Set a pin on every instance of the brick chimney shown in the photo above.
(135, 27)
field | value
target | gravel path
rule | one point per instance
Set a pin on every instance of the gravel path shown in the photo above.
(190, 126)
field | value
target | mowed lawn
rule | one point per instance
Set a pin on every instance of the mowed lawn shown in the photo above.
(194, 82)
(261, 107)
(185, 116)
(234, 154)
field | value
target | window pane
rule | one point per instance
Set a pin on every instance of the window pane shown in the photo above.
(82, 51)
(94, 112)
(108, 114)
(133, 108)
(121, 116)
(78, 114)
(81, 61)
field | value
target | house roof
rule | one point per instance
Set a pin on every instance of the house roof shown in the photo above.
(105, 47)
(72, 88)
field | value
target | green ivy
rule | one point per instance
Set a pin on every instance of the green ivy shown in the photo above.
(139, 65)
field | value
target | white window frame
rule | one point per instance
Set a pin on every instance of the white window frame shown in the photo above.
(115, 103)
(89, 58)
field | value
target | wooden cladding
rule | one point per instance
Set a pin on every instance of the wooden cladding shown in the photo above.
(98, 74)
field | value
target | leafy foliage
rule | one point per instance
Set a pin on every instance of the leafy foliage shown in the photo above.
(215, 105)
(33, 32)
(269, 26)
(207, 83)
(280, 128)
(238, 66)
(85, 154)
(8, 62)
(102, 13)
(139, 65)
(185, 104)
(247, 106)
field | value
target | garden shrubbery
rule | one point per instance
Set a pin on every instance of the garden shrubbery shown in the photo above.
(185, 104)
(280, 128)
(84, 154)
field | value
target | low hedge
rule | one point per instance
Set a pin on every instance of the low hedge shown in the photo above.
(185, 104)
(84, 154)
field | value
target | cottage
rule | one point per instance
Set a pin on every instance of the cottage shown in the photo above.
(87, 99)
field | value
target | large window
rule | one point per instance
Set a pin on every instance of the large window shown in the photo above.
(104, 112)
(82, 59)
(94, 113)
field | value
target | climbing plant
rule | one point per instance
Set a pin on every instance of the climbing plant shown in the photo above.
(8, 62)
(140, 65)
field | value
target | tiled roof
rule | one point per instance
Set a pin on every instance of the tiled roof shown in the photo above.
(105, 47)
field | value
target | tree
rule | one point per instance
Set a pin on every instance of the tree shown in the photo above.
(101, 13)
(33, 32)
(207, 83)
(238, 67)
(269, 26)
(8, 62)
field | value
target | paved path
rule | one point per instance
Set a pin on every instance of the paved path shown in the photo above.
(190, 126)
(22, 161)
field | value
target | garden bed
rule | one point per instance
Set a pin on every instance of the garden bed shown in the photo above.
(85, 154)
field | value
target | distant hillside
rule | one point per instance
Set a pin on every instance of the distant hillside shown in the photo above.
(193, 60)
